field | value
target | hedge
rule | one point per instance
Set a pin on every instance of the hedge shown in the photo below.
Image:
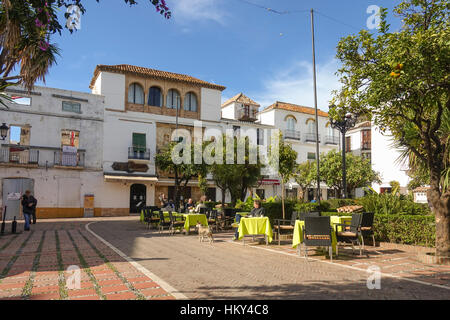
(400, 228)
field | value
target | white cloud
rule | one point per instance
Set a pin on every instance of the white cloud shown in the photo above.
(185, 11)
(294, 84)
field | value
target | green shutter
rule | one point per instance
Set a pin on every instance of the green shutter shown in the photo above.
(139, 141)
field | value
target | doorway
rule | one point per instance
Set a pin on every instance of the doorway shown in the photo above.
(13, 189)
(138, 195)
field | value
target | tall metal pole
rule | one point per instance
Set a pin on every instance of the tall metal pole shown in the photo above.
(315, 106)
(344, 167)
(176, 169)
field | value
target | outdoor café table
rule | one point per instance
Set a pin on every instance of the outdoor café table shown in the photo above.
(242, 214)
(298, 231)
(255, 226)
(191, 220)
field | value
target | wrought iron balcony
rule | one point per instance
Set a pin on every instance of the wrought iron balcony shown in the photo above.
(311, 137)
(331, 140)
(69, 159)
(292, 134)
(247, 115)
(138, 153)
(19, 155)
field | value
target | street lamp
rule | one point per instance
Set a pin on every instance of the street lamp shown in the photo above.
(343, 126)
(4, 131)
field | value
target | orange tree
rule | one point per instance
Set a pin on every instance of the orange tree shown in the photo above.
(402, 79)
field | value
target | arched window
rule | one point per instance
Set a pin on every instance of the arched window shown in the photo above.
(155, 97)
(290, 121)
(173, 99)
(135, 94)
(311, 125)
(190, 102)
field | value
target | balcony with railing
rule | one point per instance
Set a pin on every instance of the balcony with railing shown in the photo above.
(247, 114)
(19, 155)
(139, 154)
(311, 137)
(292, 134)
(331, 140)
(366, 145)
(69, 159)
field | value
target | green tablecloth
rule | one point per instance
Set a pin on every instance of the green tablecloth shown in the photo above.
(298, 232)
(192, 219)
(255, 226)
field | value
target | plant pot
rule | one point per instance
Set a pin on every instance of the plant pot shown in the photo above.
(431, 258)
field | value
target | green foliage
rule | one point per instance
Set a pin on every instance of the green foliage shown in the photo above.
(402, 79)
(337, 203)
(405, 229)
(398, 228)
(246, 205)
(389, 203)
(236, 178)
(359, 171)
(305, 175)
(274, 210)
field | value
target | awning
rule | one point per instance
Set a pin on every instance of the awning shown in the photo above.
(269, 182)
(130, 178)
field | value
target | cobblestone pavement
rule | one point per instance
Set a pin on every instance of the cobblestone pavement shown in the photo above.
(33, 266)
(230, 270)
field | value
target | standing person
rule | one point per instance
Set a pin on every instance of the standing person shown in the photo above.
(33, 207)
(27, 205)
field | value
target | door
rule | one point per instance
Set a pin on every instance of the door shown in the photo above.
(137, 197)
(13, 189)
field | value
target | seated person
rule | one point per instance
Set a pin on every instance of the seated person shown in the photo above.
(170, 206)
(189, 205)
(201, 204)
(257, 211)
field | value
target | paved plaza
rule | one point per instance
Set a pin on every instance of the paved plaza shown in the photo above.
(120, 259)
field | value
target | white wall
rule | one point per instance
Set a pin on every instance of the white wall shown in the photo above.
(228, 112)
(210, 104)
(112, 86)
(384, 161)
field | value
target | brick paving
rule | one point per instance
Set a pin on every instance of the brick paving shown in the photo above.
(33, 266)
(230, 270)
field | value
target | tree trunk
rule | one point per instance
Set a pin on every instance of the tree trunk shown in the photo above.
(441, 210)
(282, 198)
(223, 197)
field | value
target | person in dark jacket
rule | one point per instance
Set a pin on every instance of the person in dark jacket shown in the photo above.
(27, 206)
(257, 211)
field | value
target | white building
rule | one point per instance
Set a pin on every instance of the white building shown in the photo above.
(54, 149)
(386, 160)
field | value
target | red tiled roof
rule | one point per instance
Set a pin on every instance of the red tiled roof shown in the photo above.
(295, 108)
(242, 98)
(147, 72)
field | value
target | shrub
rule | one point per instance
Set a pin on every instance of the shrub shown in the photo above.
(274, 211)
(388, 203)
(333, 204)
(405, 229)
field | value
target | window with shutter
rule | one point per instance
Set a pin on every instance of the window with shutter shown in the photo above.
(139, 142)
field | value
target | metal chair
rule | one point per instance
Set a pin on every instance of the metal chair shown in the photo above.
(212, 220)
(350, 232)
(317, 232)
(177, 222)
(163, 223)
(285, 224)
(366, 229)
(150, 218)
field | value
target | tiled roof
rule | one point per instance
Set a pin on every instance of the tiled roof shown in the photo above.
(146, 72)
(421, 189)
(295, 108)
(242, 98)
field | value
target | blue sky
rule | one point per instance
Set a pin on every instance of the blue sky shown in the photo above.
(245, 48)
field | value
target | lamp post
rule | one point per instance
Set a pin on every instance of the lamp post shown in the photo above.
(343, 126)
(4, 131)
